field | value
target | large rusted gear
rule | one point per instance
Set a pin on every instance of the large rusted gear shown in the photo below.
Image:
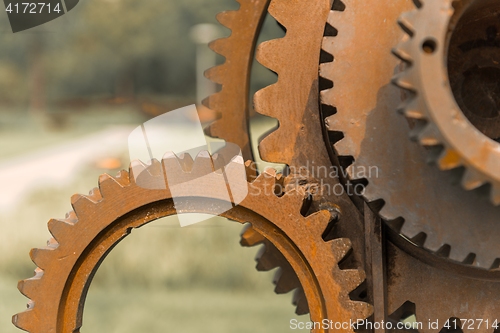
(436, 215)
(99, 221)
(455, 112)
(405, 275)
(292, 101)
(362, 105)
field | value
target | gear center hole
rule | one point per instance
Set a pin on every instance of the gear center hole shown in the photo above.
(474, 64)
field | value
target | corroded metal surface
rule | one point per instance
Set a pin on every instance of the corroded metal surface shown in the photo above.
(437, 215)
(99, 221)
(231, 102)
(435, 254)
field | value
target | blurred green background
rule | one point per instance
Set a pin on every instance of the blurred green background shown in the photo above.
(70, 92)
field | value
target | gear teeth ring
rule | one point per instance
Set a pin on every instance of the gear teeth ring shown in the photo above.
(57, 291)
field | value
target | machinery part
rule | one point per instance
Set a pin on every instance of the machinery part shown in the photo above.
(231, 102)
(437, 295)
(292, 57)
(99, 221)
(456, 225)
(446, 108)
(293, 100)
(269, 257)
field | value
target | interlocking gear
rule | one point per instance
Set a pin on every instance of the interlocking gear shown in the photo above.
(99, 221)
(436, 254)
(457, 114)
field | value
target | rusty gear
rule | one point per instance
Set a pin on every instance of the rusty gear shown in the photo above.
(443, 121)
(436, 215)
(405, 275)
(231, 102)
(99, 221)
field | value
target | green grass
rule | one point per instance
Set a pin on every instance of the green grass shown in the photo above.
(197, 310)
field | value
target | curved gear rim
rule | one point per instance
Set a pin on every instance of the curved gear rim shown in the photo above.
(57, 295)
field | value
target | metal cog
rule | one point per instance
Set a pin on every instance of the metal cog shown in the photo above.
(433, 294)
(231, 102)
(440, 124)
(294, 101)
(268, 258)
(99, 221)
(456, 225)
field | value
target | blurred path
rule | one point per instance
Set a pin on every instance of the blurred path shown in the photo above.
(56, 165)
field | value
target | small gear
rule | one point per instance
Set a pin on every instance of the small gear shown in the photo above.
(99, 221)
(442, 121)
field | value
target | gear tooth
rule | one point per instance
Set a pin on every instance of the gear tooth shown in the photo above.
(219, 45)
(211, 102)
(419, 239)
(265, 260)
(353, 278)
(108, 185)
(227, 18)
(326, 71)
(403, 50)
(123, 178)
(449, 159)
(472, 179)
(186, 162)
(41, 257)
(370, 193)
(250, 237)
(495, 194)
(429, 135)
(52, 243)
(171, 163)
(444, 251)
(261, 99)
(340, 246)
(413, 108)
(251, 170)
(81, 203)
(407, 21)
(294, 198)
(24, 321)
(147, 175)
(28, 287)
(59, 228)
(333, 122)
(216, 74)
(95, 195)
(318, 222)
(71, 217)
(361, 310)
(267, 57)
(334, 17)
(328, 45)
(203, 164)
(285, 280)
(300, 301)
(388, 212)
(263, 184)
(270, 173)
(136, 169)
(343, 147)
(328, 97)
(404, 80)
